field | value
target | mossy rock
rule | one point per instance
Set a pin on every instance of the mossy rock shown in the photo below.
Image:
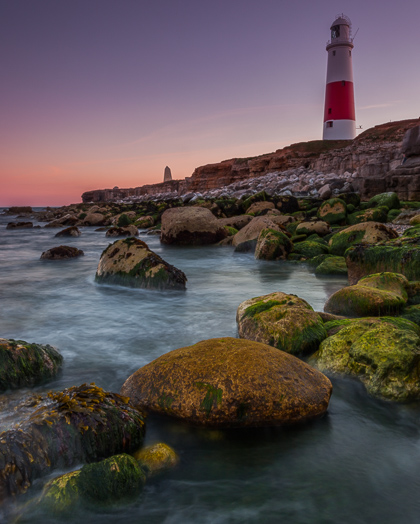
(332, 266)
(316, 261)
(384, 356)
(228, 382)
(24, 364)
(145, 222)
(230, 230)
(393, 214)
(351, 199)
(389, 200)
(273, 245)
(286, 322)
(400, 255)
(116, 479)
(298, 238)
(315, 238)
(377, 214)
(64, 428)
(365, 232)
(413, 291)
(157, 459)
(123, 220)
(368, 298)
(334, 326)
(61, 496)
(318, 227)
(412, 313)
(291, 228)
(412, 232)
(131, 263)
(393, 282)
(310, 249)
(333, 211)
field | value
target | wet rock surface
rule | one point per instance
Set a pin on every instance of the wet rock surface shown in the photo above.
(61, 253)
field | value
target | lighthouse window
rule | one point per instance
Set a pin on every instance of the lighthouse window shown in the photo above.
(330, 124)
(343, 82)
(329, 110)
(333, 53)
(349, 53)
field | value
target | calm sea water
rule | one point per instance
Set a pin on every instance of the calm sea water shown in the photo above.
(359, 464)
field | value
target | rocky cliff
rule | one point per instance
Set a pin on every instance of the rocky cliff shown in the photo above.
(371, 155)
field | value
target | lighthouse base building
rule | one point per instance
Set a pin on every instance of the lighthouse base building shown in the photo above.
(339, 112)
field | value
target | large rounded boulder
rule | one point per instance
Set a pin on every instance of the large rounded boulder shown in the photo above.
(228, 382)
(131, 263)
(273, 245)
(23, 364)
(333, 211)
(191, 226)
(286, 322)
(252, 230)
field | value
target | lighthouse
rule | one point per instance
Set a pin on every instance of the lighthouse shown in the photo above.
(339, 113)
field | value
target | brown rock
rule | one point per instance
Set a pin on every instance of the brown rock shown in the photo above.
(61, 253)
(71, 231)
(191, 225)
(19, 225)
(257, 208)
(237, 222)
(252, 230)
(127, 231)
(227, 382)
(94, 219)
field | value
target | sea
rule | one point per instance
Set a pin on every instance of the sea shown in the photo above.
(358, 464)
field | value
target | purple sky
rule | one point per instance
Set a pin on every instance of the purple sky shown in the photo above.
(98, 93)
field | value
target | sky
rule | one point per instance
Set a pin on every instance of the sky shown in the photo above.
(102, 93)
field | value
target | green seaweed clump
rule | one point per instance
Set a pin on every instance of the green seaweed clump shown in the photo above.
(310, 249)
(332, 266)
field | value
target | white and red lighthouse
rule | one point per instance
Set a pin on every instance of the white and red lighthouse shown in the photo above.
(339, 113)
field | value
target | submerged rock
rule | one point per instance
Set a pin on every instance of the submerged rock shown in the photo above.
(227, 382)
(127, 231)
(23, 364)
(157, 459)
(79, 424)
(383, 353)
(61, 253)
(191, 226)
(286, 322)
(131, 263)
(19, 225)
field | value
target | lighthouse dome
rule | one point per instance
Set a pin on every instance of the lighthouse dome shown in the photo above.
(341, 20)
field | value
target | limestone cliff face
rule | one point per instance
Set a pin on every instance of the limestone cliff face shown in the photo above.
(372, 154)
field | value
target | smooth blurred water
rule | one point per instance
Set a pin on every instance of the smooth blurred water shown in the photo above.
(358, 464)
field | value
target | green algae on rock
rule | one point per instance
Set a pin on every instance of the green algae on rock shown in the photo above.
(273, 245)
(333, 211)
(80, 424)
(376, 295)
(114, 480)
(332, 266)
(61, 495)
(390, 200)
(228, 382)
(157, 459)
(400, 255)
(131, 263)
(365, 232)
(383, 355)
(23, 364)
(286, 322)
(309, 248)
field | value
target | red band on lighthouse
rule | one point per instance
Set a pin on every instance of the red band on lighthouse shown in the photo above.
(339, 101)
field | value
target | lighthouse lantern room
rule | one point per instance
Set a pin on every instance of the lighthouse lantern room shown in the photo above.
(339, 113)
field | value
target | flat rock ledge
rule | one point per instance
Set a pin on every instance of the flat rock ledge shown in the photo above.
(228, 382)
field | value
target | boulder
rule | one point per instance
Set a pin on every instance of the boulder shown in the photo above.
(390, 200)
(382, 353)
(325, 192)
(259, 208)
(145, 222)
(23, 364)
(71, 231)
(333, 211)
(365, 232)
(131, 263)
(61, 253)
(94, 219)
(157, 459)
(332, 266)
(237, 222)
(252, 230)
(61, 495)
(19, 210)
(19, 225)
(411, 142)
(191, 225)
(127, 231)
(377, 214)
(80, 424)
(286, 322)
(415, 220)
(273, 245)
(309, 248)
(399, 255)
(376, 295)
(227, 382)
(319, 227)
(405, 216)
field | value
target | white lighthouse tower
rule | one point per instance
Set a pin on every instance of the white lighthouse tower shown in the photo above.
(339, 113)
